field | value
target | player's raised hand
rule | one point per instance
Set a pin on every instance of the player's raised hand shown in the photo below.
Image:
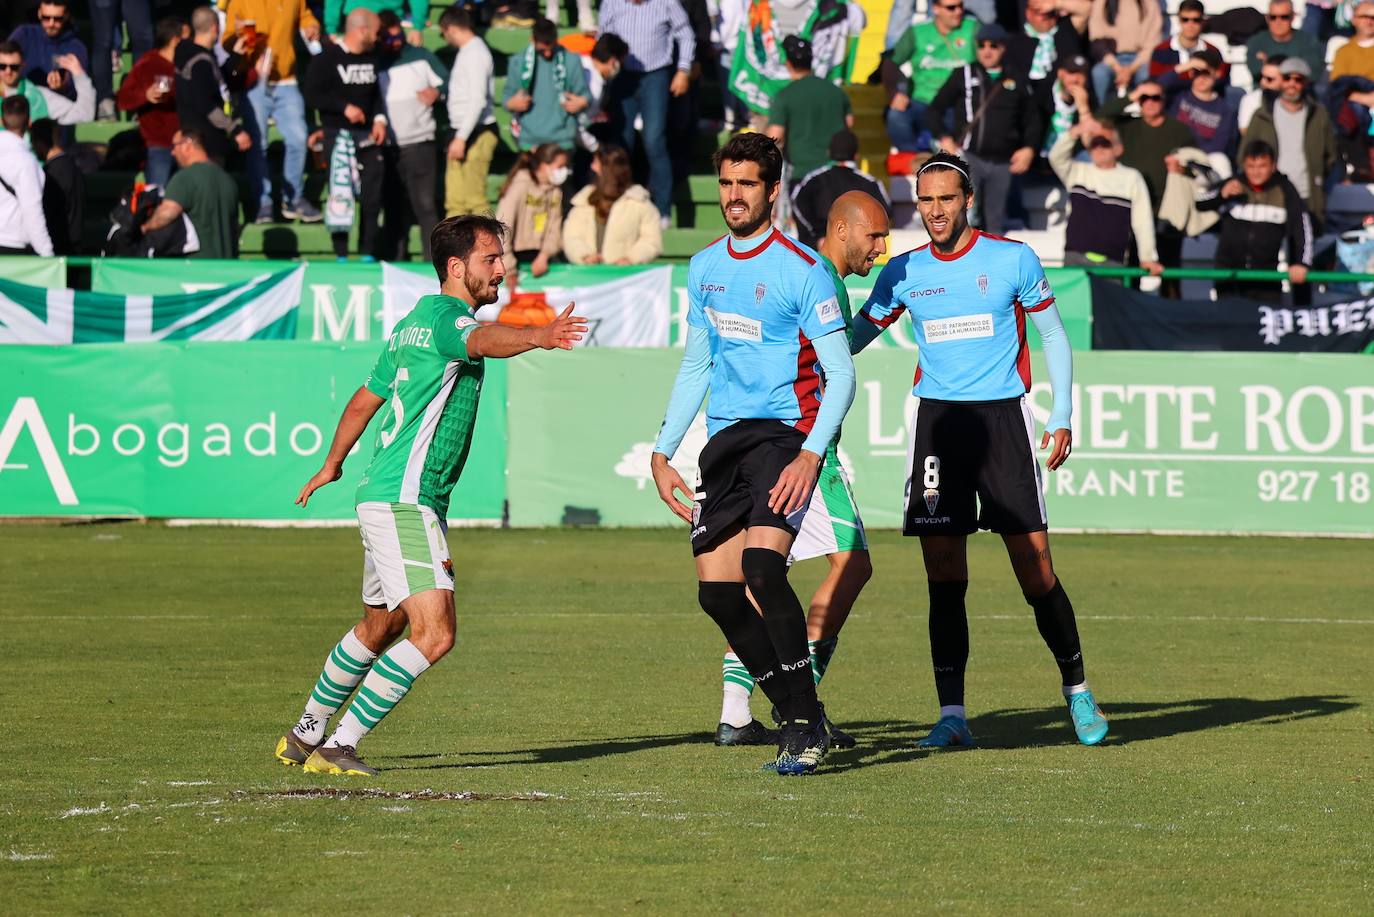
(1063, 445)
(669, 482)
(563, 332)
(795, 483)
(325, 475)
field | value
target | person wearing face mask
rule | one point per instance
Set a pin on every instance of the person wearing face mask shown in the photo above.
(531, 208)
(545, 91)
(603, 65)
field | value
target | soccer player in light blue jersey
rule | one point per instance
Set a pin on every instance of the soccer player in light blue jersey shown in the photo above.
(972, 460)
(764, 321)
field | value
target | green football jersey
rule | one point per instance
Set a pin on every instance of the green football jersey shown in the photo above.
(927, 58)
(431, 385)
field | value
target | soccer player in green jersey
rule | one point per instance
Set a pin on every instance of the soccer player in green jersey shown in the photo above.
(855, 238)
(429, 377)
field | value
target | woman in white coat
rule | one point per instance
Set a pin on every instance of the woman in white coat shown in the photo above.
(612, 220)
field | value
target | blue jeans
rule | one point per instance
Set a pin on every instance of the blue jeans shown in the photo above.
(907, 129)
(1104, 78)
(645, 94)
(105, 19)
(283, 103)
(157, 167)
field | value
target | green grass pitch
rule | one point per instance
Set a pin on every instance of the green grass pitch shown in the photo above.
(148, 671)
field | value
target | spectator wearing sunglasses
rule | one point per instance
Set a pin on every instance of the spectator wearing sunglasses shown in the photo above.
(1300, 131)
(1264, 93)
(922, 61)
(1204, 108)
(1356, 56)
(1173, 62)
(1282, 38)
(43, 42)
(1110, 217)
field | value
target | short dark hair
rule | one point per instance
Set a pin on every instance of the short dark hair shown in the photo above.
(544, 32)
(455, 17)
(194, 134)
(948, 162)
(167, 30)
(65, 4)
(11, 47)
(44, 135)
(455, 237)
(15, 113)
(1192, 6)
(1259, 149)
(752, 147)
(1274, 59)
(844, 146)
(609, 46)
(797, 51)
(388, 19)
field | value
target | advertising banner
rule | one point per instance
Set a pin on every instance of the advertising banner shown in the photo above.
(206, 430)
(35, 271)
(1163, 442)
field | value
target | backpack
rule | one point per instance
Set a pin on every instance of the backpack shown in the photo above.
(126, 238)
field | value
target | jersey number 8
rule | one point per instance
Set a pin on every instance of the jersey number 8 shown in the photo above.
(932, 477)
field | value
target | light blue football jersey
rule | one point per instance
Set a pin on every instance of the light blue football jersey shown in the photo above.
(968, 313)
(762, 308)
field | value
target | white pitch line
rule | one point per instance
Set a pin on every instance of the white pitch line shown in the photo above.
(1247, 619)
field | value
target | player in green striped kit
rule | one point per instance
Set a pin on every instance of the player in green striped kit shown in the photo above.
(855, 236)
(429, 377)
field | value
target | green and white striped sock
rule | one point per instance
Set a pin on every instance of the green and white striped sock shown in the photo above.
(821, 653)
(737, 684)
(343, 669)
(391, 677)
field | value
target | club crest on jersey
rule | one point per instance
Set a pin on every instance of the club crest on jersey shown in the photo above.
(983, 284)
(760, 291)
(932, 497)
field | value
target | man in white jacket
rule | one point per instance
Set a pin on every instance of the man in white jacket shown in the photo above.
(22, 230)
(1109, 204)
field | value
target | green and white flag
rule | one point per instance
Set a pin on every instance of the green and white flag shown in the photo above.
(757, 71)
(262, 308)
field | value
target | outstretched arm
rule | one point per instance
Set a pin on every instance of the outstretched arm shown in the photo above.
(356, 416)
(500, 341)
(689, 389)
(1059, 362)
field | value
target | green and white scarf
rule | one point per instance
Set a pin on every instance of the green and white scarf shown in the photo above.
(560, 69)
(1042, 64)
(343, 184)
(1061, 121)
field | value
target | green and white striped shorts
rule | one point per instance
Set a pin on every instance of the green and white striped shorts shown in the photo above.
(832, 522)
(405, 551)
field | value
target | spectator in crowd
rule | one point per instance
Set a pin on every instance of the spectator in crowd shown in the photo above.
(1149, 143)
(922, 61)
(22, 228)
(586, 19)
(1174, 60)
(612, 220)
(201, 90)
(996, 122)
(45, 102)
(1123, 34)
(684, 111)
(651, 73)
(269, 30)
(1260, 213)
(43, 42)
(1356, 56)
(1300, 131)
(1263, 94)
(1066, 101)
(1047, 39)
(606, 60)
(813, 193)
(64, 187)
(1109, 205)
(1205, 110)
(807, 112)
(470, 116)
(903, 16)
(531, 208)
(341, 85)
(205, 193)
(1351, 94)
(149, 92)
(1282, 38)
(545, 91)
(412, 14)
(107, 46)
(410, 86)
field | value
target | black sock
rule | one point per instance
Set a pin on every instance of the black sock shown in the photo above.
(1055, 620)
(949, 639)
(729, 607)
(765, 571)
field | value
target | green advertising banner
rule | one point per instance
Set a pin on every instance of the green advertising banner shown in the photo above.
(35, 271)
(204, 430)
(1239, 443)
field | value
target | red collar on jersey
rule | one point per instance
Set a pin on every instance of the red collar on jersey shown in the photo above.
(756, 250)
(973, 237)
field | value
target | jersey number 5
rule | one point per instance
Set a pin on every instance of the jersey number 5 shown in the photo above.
(398, 411)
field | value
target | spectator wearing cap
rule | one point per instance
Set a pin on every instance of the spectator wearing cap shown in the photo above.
(1066, 100)
(1173, 61)
(1282, 38)
(1205, 109)
(997, 125)
(545, 91)
(149, 92)
(814, 192)
(1300, 131)
(1263, 94)
(1123, 33)
(652, 72)
(22, 228)
(1110, 214)
(1047, 39)
(921, 61)
(807, 112)
(1260, 212)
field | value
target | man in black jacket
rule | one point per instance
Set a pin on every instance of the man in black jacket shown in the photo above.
(64, 190)
(997, 124)
(1259, 214)
(1047, 41)
(202, 88)
(341, 85)
(813, 193)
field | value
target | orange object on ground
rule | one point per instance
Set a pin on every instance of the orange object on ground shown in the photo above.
(526, 310)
